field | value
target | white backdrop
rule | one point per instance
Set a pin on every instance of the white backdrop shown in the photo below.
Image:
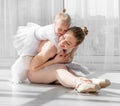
(101, 48)
(14, 13)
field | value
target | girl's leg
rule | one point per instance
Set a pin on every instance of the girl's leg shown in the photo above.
(19, 69)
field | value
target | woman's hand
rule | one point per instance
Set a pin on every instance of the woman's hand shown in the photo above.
(61, 57)
(69, 57)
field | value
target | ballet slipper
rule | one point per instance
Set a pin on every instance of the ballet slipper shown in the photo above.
(87, 88)
(103, 83)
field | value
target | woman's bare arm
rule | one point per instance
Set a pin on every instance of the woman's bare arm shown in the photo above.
(59, 58)
(48, 50)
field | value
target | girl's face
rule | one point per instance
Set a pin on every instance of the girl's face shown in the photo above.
(60, 27)
(67, 41)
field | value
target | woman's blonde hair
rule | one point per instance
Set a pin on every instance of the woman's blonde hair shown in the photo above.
(79, 33)
(63, 16)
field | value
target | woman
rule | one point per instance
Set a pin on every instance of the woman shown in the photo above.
(52, 71)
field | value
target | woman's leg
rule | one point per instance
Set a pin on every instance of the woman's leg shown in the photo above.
(67, 79)
(72, 71)
(56, 72)
(46, 75)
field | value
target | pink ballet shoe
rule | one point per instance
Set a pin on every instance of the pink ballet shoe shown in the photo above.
(103, 83)
(87, 88)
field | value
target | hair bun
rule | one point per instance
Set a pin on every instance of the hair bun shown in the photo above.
(64, 10)
(85, 31)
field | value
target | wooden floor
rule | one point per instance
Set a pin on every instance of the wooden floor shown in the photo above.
(55, 95)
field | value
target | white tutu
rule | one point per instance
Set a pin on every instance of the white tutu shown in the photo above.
(22, 33)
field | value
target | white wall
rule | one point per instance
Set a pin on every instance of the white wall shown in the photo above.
(14, 13)
(101, 47)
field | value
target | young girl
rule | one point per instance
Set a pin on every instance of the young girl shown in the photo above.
(52, 70)
(28, 39)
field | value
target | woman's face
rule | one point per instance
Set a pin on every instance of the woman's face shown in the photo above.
(67, 41)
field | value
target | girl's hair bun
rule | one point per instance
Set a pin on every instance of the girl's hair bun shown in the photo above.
(63, 11)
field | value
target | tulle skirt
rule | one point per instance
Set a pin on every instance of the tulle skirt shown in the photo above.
(24, 36)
